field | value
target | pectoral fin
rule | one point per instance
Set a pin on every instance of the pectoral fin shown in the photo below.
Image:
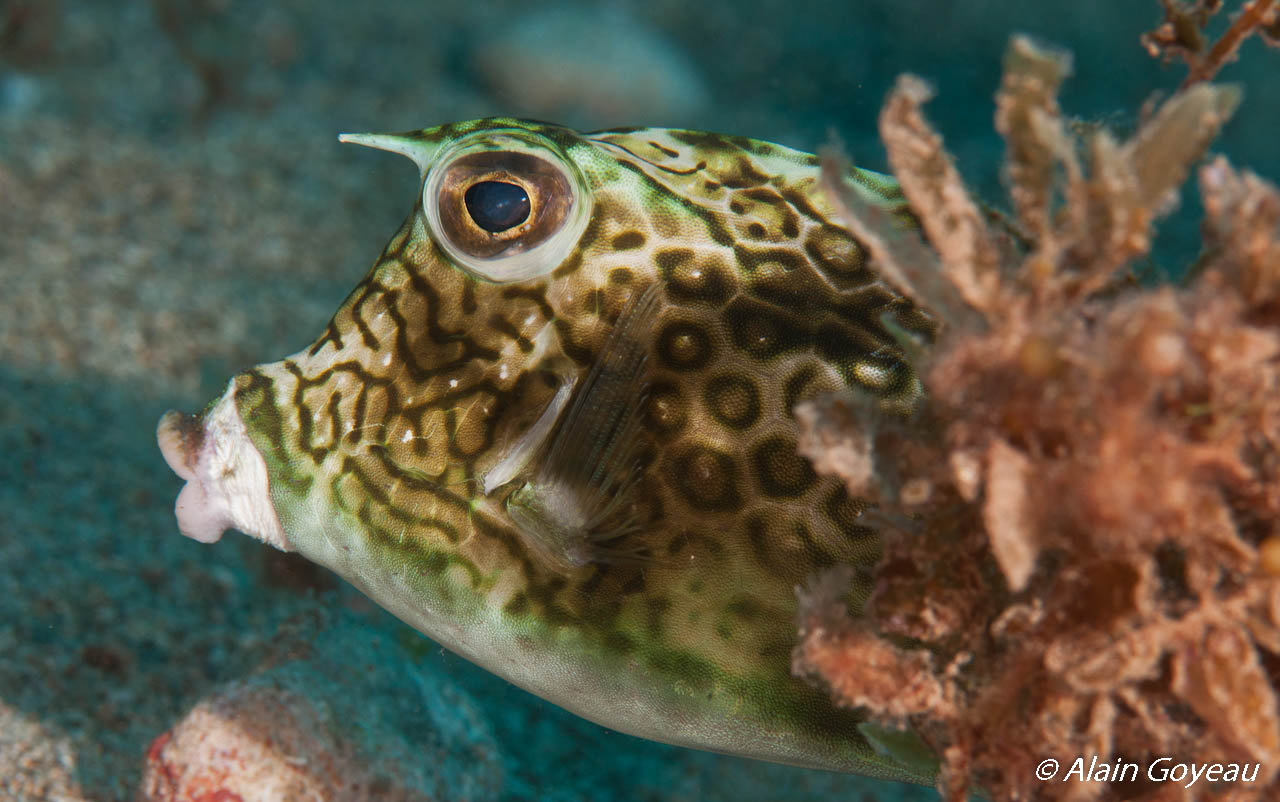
(578, 502)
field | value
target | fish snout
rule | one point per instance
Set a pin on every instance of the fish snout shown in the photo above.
(227, 482)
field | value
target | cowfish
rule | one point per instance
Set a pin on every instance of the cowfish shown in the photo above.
(552, 428)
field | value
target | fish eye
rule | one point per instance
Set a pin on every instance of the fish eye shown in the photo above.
(505, 205)
(496, 205)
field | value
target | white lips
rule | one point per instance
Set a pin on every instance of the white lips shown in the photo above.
(226, 476)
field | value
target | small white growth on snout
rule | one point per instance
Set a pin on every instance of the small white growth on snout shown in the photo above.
(226, 477)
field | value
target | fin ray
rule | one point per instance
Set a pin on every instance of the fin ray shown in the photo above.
(576, 499)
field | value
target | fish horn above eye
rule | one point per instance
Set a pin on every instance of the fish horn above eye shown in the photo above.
(412, 145)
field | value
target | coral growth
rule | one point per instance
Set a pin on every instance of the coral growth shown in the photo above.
(1083, 556)
(1181, 35)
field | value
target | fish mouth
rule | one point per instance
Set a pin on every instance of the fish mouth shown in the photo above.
(227, 484)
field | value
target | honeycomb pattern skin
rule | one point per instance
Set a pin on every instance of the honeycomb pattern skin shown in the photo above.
(377, 438)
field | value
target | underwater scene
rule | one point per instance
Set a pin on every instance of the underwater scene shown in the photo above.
(675, 402)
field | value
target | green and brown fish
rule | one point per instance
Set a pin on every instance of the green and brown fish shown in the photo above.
(552, 428)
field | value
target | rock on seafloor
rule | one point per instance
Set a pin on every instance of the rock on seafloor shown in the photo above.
(346, 717)
(590, 67)
(35, 764)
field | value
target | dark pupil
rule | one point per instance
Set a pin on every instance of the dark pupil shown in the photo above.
(497, 205)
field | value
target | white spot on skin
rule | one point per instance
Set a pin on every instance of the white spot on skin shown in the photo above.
(502, 371)
(531, 319)
(453, 382)
(407, 436)
(386, 359)
(696, 274)
(871, 374)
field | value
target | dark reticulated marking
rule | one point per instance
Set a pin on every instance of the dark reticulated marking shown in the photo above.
(628, 241)
(792, 291)
(706, 479)
(793, 389)
(757, 531)
(838, 256)
(683, 345)
(571, 348)
(536, 295)
(668, 152)
(602, 210)
(376, 485)
(255, 398)
(742, 174)
(762, 331)
(499, 323)
(750, 259)
(669, 259)
(432, 327)
(733, 400)
(688, 281)
(841, 347)
(373, 291)
(305, 412)
(784, 546)
(781, 471)
(789, 223)
(393, 253)
(459, 447)
(702, 165)
(845, 511)
(468, 302)
(715, 228)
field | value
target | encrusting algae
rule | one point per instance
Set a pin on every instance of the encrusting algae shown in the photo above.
(1082, 521)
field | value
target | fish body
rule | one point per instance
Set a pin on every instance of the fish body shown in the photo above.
(552, 427)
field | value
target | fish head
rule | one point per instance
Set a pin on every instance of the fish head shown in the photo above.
(525, 241)
(552, 428)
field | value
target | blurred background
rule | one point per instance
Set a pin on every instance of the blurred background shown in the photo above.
(174, 206)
